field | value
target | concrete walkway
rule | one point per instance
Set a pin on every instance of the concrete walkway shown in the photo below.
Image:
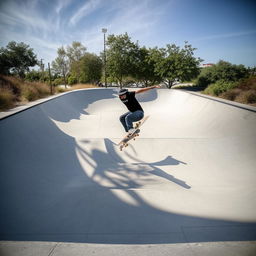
(188, 181)
(82, 249)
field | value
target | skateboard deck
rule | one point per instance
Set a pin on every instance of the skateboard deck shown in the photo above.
(124, 142)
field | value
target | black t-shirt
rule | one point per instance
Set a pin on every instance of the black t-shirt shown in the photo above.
(131, 102)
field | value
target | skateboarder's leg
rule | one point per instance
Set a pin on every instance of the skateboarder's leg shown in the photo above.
(133, 117)
(122, 120)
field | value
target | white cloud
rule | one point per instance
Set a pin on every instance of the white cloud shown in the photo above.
(227, 35)
(22, 14)
(86, 9)
(61, 4)
(138, 19)
(45, 32)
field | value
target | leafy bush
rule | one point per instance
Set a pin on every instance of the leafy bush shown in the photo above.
(219, 87)
(205, 78)
(58, 81)
(128, 81)
(221, 71)
(72, 80)
(226, 71)
(33, 76)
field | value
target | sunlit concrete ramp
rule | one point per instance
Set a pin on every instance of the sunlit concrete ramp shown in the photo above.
(189, 177)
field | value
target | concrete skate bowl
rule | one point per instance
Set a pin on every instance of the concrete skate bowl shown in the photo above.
(189, 177)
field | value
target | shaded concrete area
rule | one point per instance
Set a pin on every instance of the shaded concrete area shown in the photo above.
(190, 177)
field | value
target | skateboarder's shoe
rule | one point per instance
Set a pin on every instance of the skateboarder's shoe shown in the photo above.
(131, 131)
(134, 133)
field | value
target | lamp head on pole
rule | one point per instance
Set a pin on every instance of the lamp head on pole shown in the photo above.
(104, 30)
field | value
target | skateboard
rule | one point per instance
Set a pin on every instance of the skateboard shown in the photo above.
(124, 142)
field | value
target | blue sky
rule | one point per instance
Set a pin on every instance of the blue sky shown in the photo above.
(219, 29)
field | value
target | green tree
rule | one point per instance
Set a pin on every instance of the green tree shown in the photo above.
(17, 58)
(121, 56)
(5, 62)
(205, 77)
(174, 63)
(252, 71)
(33, 76)
(144, 66)
(91, 68)
(223, 70)
(67, 63)
(228, 72)
(75, 52)
(60, 66)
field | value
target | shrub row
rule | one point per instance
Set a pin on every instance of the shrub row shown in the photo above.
(243, 91)
(219, 87)
(14, 90)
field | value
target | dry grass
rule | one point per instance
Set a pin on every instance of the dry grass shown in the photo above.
(231, 94)
(60, 89)
(6, 99)
(247, 84)
(34, 91)
(12, 83)
(14, 91)
(82, 86)
(247, 97)
(245, 92)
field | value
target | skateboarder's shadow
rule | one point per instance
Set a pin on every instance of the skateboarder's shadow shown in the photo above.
(153, 168)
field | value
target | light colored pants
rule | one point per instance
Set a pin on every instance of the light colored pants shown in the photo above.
(128, 118)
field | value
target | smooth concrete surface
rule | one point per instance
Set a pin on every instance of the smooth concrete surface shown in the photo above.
(189, 178)
(81, 249)
(24, 107)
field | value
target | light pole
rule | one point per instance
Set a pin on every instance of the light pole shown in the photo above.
(42, 69)
(104, 31)
(50, 76)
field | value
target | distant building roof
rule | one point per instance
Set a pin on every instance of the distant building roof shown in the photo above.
(207, 65)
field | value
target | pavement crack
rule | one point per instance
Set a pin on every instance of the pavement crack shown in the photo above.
(52, 250)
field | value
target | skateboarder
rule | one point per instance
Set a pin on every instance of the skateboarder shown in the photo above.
(136, 112)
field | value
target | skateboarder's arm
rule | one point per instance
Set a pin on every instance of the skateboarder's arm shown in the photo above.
(147, 89)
